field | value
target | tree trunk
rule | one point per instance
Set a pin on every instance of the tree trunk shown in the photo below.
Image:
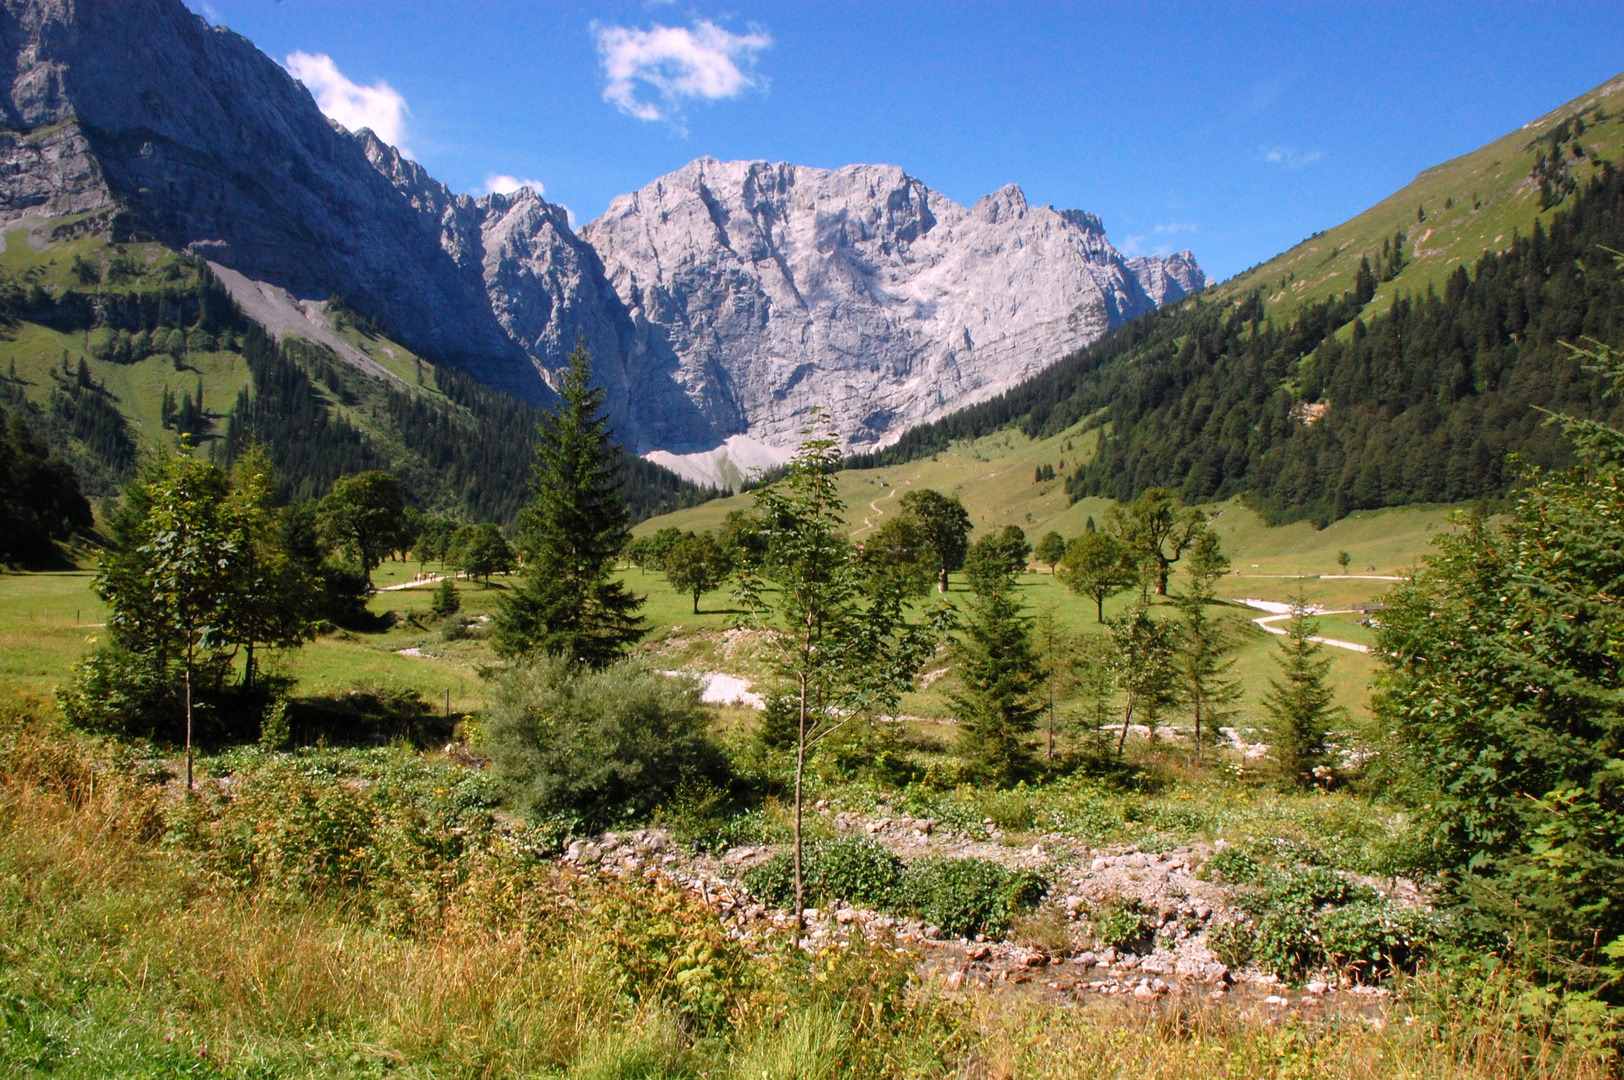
(941, 580)
(1127, 718)
(800, 771)
(1051, 719)
(696, 603)
(1099, 608)
(248, 667)
(188, 713)
(1198, 729)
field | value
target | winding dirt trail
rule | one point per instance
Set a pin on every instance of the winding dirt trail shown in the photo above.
(874, 505)
(1278, 611)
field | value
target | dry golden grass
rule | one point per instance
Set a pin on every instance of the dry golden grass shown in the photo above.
(117, 961)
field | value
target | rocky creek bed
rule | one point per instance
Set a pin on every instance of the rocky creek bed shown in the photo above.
(1180, 909)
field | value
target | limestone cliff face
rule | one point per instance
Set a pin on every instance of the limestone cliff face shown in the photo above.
(722, 302)
(763, 290)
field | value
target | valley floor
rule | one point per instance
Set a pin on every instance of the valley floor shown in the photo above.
(372, 911)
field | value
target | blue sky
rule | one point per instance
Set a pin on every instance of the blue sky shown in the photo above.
(1232, 130)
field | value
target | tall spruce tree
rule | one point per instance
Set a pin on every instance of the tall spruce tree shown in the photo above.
(1205, 662)
(1000, 672)
(1301, 707)
(571, 535)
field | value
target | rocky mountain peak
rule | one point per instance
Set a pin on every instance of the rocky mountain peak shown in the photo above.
(722, 301)
(762, 289)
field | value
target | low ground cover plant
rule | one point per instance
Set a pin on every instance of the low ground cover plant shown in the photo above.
(962, 897)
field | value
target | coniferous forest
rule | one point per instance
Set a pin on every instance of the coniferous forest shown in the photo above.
(472, 449)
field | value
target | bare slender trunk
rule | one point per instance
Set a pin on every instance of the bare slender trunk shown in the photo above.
(1198, 729)
(1051, 719)
(188, 712)
(1127, 718)
(800, 771)
(941, 580)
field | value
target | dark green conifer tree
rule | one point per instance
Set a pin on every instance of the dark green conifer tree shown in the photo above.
(1301, 707)
(1000, 673)
(571, 535)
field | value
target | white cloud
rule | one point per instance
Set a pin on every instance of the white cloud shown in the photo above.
(503, 184)
(1288, 158)
(703, 61)
(379, 106)
(1173, 228)
(1133, 245)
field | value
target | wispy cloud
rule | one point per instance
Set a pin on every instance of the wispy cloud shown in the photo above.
(503, 184)
(677, 63)
(1289, 158)
(1156, 242)
(379, 106)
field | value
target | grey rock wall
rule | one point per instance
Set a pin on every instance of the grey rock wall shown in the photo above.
(722, 302)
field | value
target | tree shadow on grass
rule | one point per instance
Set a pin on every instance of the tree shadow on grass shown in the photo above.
(369, 717)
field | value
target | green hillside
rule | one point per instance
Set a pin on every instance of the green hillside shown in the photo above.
(113, 350)
(1385, 371)
(1449, 214)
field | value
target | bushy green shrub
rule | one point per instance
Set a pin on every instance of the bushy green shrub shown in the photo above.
(961, 896)
(1304, 917)
(1120, 923)
(1284, 942)
(607, 745)
(1231, 866)
(116, 691)
(1231, 942)
(854, 869)
(969, 896)
(1371, 939)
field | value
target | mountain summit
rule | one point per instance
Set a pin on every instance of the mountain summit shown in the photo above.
(722, 301)
(764, 288)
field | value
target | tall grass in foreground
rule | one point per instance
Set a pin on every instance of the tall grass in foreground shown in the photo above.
(119, 956)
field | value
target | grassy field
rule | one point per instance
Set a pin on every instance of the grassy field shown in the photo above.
(994, 477)
(45, 618)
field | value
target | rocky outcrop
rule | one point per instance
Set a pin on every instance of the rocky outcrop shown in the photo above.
(1168, 277)
(763, 290)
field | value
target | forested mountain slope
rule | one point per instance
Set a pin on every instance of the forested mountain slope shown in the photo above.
(1372, 396)
(112, 349)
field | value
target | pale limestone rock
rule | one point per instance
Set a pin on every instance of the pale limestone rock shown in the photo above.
(767, 289)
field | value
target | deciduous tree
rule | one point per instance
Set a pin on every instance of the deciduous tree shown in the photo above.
(947, 528)
(842, 648)
(696, 565)
(363, 516)
(1099, 566)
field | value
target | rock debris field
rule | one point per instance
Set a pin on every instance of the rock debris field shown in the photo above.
(1181, 908)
